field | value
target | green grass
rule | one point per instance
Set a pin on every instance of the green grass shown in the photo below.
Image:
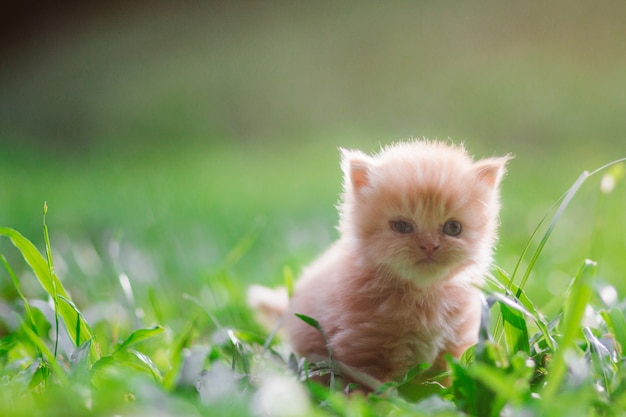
(88, 330)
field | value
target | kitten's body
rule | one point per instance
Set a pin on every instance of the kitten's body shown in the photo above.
(399, 288)
(381, 327)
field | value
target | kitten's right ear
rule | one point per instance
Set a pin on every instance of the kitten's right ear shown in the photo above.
(356, 168)
(491, 170)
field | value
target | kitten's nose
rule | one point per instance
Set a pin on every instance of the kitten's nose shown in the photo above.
(429, 247)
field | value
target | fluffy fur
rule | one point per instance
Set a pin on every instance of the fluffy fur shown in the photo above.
(399, 287)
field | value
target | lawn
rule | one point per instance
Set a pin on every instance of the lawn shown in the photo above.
(176, 177)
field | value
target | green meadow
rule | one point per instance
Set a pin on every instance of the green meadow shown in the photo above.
(187, 152)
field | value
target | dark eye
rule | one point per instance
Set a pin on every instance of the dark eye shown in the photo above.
(401, 226)
(452, 228)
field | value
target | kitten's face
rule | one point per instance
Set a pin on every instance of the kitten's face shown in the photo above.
(421, 210)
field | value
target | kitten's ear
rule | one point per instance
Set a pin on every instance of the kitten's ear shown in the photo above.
(356, 168)
(491, 170)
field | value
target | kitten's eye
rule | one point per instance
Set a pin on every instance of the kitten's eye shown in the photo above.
(401, 226)
(452, 228)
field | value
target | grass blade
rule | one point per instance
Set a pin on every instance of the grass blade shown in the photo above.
(242, 247)
(176, 354)
(147, 364)
(569, 195)
(579, 295)
(79, 361)
(45, 351)
(139, 336)
(51, 273)
(53, 286)
(616, 323)
(35, 260)
(312, 322)
(130, 359)
(18, 288)
(601, 361)
(515, 330)
(506, 285)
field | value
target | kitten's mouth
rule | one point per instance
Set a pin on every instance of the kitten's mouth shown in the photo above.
(426, 261)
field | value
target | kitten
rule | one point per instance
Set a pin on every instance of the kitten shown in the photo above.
(418, 223)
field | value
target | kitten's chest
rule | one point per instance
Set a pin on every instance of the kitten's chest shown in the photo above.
(422, 328)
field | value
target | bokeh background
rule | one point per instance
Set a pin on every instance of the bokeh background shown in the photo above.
(192, 145)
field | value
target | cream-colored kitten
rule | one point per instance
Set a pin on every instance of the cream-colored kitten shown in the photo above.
(418, 223)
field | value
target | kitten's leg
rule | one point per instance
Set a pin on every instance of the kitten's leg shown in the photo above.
(466, 335)
(269, 304)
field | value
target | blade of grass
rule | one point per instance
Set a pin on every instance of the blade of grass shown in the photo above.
(607, 184)
(129, 295)
(131, 359)
(45, 351)
(506, 285)
(288, 280)
(601, 360)
(18, 288)
(139, 336)
(314, 323)
(176, 354)
(515, 330)
(569, 195)
(242, 246)
(158, 314)
(79, 361)
(53, 286)
(509, 384)
(149, 365)
(239, 354)
(78, 322)
(526, 249)
(35, 260)
(616, 323)
(51, 273)
(209, 313)
(579, 295)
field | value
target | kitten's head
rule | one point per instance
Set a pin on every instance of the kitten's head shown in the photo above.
(421, 210)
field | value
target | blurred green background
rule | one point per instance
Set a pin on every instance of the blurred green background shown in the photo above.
(193, 145)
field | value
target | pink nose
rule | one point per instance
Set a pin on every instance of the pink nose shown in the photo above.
(429, 247)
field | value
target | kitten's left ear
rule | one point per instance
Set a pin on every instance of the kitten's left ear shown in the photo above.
(356, 169)
(491, 170)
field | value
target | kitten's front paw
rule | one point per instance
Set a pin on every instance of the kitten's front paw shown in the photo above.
(270, 304)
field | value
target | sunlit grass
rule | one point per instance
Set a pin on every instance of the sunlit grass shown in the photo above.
(148, 347)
